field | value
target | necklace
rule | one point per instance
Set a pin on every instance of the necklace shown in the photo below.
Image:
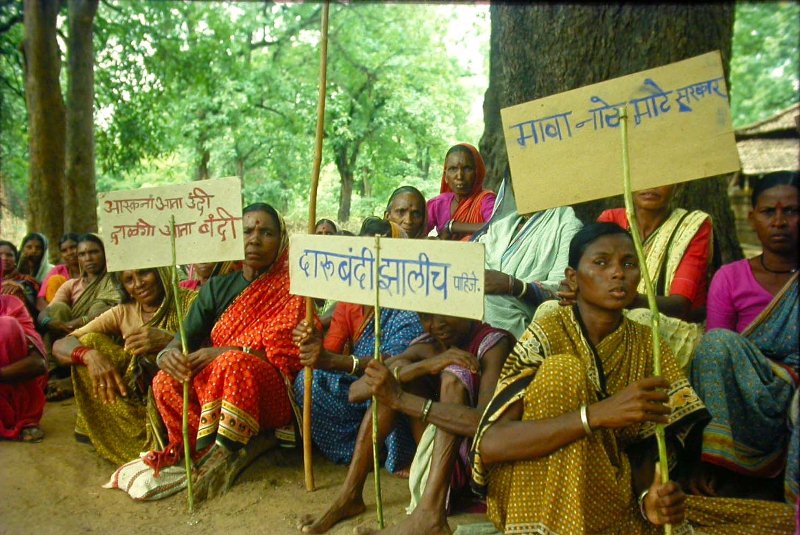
(761, 259)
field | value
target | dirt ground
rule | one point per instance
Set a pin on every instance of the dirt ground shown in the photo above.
(55, 487)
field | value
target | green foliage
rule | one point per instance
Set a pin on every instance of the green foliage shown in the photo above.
(764, 63)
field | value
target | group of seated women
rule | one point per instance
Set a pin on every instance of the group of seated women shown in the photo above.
(547, 409)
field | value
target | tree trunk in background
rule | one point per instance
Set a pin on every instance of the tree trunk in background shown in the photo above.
(202, 166)
(542, 49)
(81, 195)
(46, 127)
(346, 191)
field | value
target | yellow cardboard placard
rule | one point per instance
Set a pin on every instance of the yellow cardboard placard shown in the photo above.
(431, 276)
(135, 224)
(566, 148)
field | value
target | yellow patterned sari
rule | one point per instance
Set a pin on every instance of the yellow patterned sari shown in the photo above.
(586, 485)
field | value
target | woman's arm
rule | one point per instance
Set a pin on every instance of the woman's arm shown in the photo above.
(513, 439)
(26, 368)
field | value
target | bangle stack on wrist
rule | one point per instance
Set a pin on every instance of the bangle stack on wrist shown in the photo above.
(524, 291)
(77, 355)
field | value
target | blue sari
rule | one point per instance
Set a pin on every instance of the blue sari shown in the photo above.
(335, 421)
(747, 382)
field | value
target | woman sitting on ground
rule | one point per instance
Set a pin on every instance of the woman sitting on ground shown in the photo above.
(80, 300)
(113, 363)
(23, 287)
(69, 268)
(463, 206)
(457, 363)
(341, 359)
(240, 383)
(745, 368)
(406, 207)
(33, 256)
(574, 411)
(23, 373)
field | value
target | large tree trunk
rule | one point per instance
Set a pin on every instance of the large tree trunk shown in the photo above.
(346, 192)
(542, 49)
(81, 195)
(46, 128)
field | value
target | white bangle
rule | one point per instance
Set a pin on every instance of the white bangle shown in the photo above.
(642, 496)
(160, 355)
(355, 365)
(585, 420)
(449, 226)
(524, 290)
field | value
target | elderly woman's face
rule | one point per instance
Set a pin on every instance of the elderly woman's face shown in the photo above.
(460, 174)
(408, 211)
(144, 286)
(325, 229)
(262, 238)
(607, 274)
(450, 330)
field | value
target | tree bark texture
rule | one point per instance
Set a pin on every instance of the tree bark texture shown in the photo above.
(346, 178)
(46, 127)
(81, 195)
(539, 50)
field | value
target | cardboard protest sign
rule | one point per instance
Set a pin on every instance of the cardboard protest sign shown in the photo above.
(566, 148)
(422, 275)
(135, 224)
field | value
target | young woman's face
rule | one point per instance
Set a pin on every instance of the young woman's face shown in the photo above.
(262, 238)
(408, 211)
(91, 258)
(655, 199)
(33, 250)
(775, 219)
(69, 252)
(7, 259)
(460, 174)
(607, 274)
(144, 286)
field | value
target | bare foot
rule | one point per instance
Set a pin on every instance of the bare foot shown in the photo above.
(418, 522)
(341, 509)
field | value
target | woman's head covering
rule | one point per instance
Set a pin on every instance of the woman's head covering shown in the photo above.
(402, 190)
(480, 167)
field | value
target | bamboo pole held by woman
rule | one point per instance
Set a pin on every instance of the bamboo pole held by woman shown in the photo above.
(651, 294)
(377, 356)
(187, 453)
(312, 216)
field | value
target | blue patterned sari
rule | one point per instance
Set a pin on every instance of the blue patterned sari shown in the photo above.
(335, 421)
(747, 382)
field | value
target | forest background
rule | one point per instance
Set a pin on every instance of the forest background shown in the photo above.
(120, 94)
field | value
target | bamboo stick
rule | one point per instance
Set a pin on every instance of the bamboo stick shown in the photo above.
(308, 375)
(187, 454)
(651, 294)
(377, 355)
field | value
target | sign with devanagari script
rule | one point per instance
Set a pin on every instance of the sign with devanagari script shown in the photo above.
(135, 224)
(432, 276)
(567, 148)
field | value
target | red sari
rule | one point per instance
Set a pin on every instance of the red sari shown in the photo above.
(21, 404)
(238, 394)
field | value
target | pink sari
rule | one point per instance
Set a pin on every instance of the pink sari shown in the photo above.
(21, 404)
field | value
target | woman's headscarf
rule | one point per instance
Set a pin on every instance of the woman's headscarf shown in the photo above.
(480, 169)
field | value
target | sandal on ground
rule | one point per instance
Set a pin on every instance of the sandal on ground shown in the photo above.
(31, 435)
